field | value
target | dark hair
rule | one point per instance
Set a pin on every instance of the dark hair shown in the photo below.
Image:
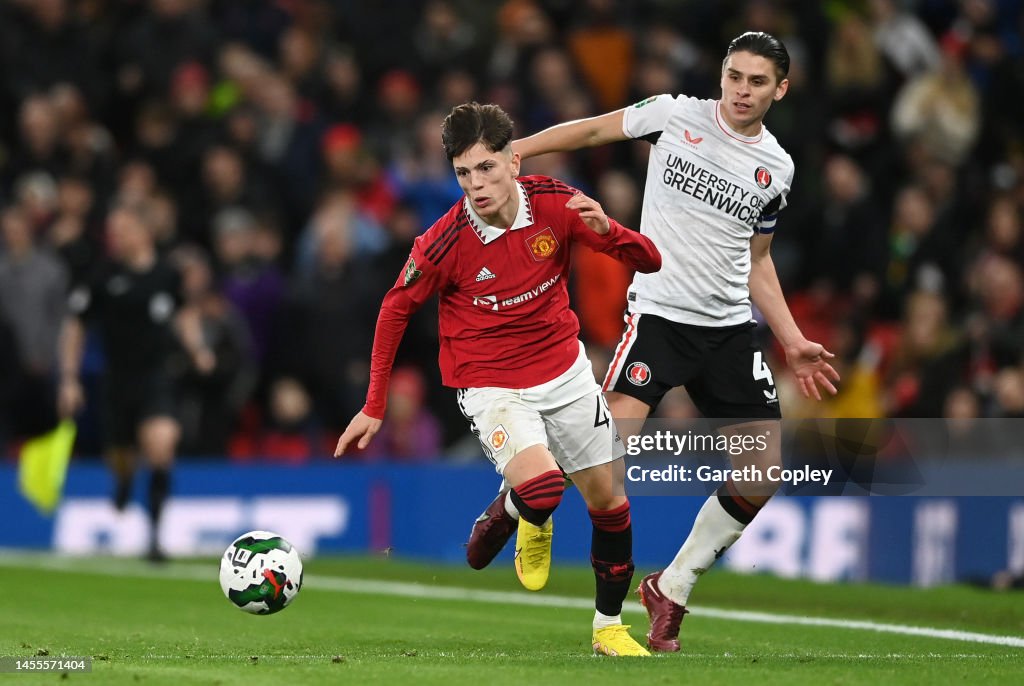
(763, 44)
(472, 123)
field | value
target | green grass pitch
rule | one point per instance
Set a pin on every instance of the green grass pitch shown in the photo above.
(387, 621)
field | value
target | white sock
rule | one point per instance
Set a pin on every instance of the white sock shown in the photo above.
(601, 621)
(714, 530)
(510, 507)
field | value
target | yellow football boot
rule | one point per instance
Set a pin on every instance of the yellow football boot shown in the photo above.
(533, 553)
(615, 641)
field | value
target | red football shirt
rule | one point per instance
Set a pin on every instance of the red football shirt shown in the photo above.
(503, 316)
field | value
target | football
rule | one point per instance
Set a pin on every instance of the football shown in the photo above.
(261, 573)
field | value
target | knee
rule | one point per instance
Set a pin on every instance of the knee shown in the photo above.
(597, 502)
(538, 497)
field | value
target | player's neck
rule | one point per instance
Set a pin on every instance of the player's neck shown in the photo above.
(504, 216)
(748, 130)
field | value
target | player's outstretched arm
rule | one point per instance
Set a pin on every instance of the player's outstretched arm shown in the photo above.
(361, 429)
(807, 359)
(573, 135)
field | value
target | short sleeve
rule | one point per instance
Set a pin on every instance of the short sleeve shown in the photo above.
(647, 116)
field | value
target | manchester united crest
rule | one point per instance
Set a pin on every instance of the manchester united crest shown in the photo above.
(497, 438)
(543, 244)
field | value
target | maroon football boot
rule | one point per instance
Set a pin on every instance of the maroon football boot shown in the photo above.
(665, 615)
(490, 533)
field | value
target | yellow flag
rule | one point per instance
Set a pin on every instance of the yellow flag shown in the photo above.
(43, 465)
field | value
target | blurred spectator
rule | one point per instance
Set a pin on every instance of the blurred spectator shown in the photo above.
(73, 234)
(443, 40)
(301, 53)
(603, 50)
(903, 39)
(857, 84)
(392, 132)
(329, 319)
(211, 402)
(32, 306)
(251, 281)
(350, 166)
(411, 433)
(38, 143)
(423, 178)
(843, 237)
(172, 32)
(1009, 394)
(920, 257)
(998, 285)
(927, 337)
(941, 109)
(290, 433)
(344, 99)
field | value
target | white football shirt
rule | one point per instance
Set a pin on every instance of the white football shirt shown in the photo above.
(709, 189)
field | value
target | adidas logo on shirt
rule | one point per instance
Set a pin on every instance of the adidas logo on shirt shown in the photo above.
(485, 274)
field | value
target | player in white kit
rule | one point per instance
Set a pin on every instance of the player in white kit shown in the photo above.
(716, 180)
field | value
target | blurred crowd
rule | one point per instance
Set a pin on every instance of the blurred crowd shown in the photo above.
(286, 154)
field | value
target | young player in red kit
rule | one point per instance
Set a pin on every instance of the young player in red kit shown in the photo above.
(499, 260)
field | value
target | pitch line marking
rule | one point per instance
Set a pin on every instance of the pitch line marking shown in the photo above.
(195, 572)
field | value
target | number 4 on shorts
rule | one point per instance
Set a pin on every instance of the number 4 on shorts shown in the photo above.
(761, 370)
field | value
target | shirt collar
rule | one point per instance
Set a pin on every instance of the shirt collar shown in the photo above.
(487, 233)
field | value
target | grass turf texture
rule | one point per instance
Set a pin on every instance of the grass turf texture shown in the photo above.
(172, 625)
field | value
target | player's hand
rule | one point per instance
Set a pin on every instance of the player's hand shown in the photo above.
(590, 212)
(70, 398)
(362, 429)
(809, 362)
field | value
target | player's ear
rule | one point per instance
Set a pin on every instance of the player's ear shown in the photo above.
(516, 163)
(781, 89)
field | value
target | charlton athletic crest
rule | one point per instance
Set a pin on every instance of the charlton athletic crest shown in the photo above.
(543, 245)
(763, 177)
(638, 373)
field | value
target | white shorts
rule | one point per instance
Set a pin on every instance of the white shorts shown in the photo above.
(568, 415)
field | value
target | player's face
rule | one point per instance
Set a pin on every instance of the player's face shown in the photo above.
(749, 87)
(489, 181)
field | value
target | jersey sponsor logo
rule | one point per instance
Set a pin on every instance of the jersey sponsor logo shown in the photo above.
(763, 177)
(488, 302)
(691, 139)
(638, 374)
(645, 101)
(411, 272)
(497, 438)
(714, 190)
(485, 274)
(530, 294)
(491, 302)
(543, 244)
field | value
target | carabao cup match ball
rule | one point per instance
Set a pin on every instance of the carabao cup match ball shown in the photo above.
(261, 573)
